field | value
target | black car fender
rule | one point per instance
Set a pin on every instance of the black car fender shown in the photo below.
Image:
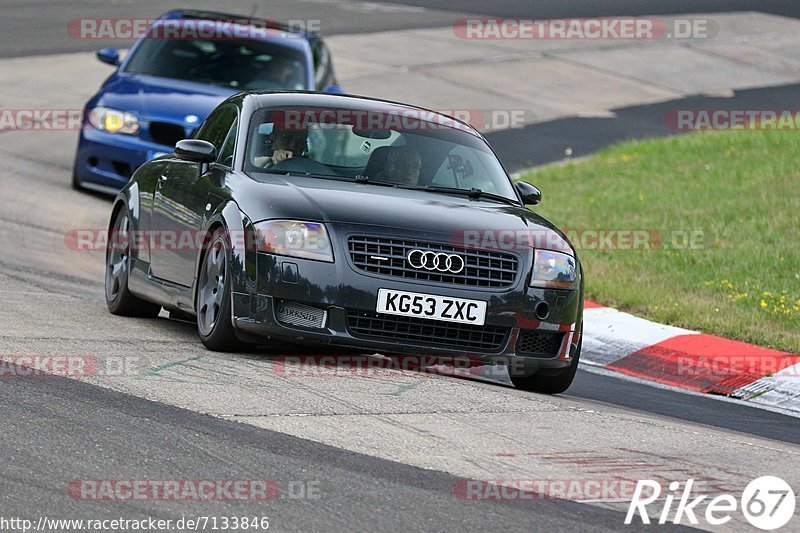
(129, 198)
(238, 227)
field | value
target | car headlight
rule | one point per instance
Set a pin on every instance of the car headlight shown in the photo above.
(295, 238)
(113, 121)
(554, 269)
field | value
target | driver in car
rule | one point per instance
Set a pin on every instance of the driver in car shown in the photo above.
(286, 144)
(402, 166)
(284, 72)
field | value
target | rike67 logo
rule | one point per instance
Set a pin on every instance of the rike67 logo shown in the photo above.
(767, 502)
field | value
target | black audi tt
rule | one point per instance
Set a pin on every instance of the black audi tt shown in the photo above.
(351, 223)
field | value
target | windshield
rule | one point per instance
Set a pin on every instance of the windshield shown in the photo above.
(413, 149)
(236, 63)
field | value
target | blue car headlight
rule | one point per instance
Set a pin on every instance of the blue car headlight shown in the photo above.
(554, 269)
(295, 238)
(113, 121)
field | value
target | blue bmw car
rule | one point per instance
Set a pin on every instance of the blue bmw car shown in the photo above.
(174, 76)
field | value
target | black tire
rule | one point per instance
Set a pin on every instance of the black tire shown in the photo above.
(119, 299)
(549, 382)
(213, 299)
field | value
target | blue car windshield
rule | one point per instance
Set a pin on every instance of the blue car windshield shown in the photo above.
(236, 63)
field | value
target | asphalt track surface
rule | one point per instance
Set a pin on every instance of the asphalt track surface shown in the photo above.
(63, 429)
(584, 8)
(39, 26)
(30, 27)
(735, 416)
(56, 429)
(547, 142)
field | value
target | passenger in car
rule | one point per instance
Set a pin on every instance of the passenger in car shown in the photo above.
(402, 166)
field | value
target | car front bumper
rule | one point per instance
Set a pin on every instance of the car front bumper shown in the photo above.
(106, 161)
(348, 297)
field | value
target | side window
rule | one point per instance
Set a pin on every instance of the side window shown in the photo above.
(225, 156)
(216, 127)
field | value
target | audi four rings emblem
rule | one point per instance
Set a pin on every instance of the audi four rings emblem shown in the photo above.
(439, 261)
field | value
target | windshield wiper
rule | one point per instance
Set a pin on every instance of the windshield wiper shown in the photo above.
(357, 179)
(366, 179)
(300, 173)
(474, 193)
(470, 193)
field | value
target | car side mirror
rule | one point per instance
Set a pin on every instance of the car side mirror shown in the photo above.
(531, 195)
(108, 55)
(196, 151)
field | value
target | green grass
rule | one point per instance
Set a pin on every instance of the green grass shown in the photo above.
(740, 188)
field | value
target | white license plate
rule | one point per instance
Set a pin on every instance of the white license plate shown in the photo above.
(431, 307)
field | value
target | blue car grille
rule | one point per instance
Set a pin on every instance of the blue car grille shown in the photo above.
(167, 133)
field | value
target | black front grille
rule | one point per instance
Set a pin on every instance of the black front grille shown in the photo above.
(482, 268)
(539, 342)
(167, 133)
(426, 332)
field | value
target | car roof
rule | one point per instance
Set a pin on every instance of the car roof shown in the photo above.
(240, 20)
(261, 99)
(275, 37)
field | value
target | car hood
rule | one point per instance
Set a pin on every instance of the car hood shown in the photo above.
(455, 219)
(165, 99)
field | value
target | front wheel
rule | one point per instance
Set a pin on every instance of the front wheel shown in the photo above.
(213, 301)
(549, 383)
(119, 299)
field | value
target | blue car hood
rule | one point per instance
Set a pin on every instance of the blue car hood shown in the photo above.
(156, 98)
